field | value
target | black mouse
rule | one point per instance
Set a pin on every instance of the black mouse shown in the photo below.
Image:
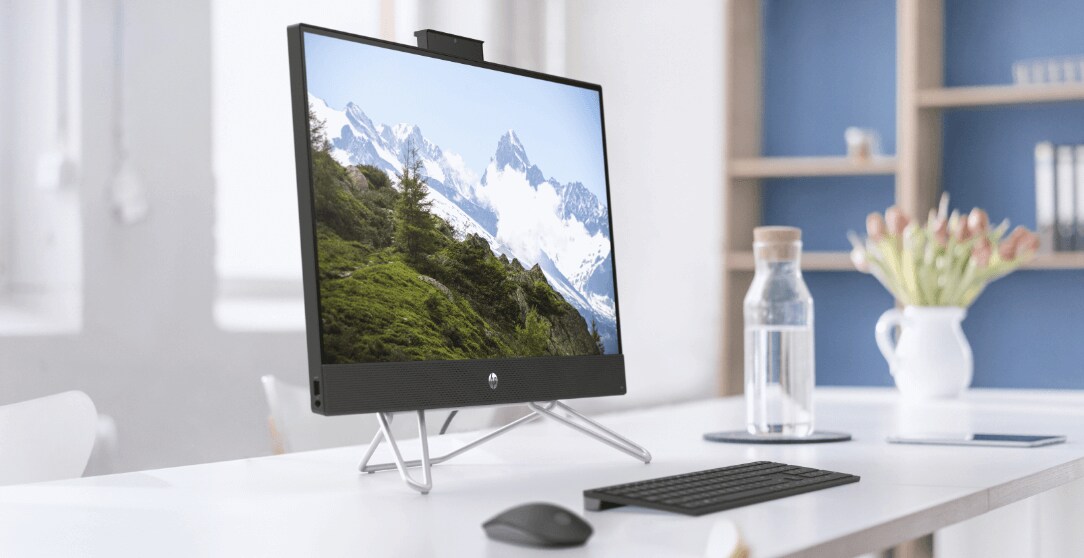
(538, 524)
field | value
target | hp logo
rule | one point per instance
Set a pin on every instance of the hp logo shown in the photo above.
(492, 380)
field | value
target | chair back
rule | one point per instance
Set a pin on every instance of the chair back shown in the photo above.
(45, 439)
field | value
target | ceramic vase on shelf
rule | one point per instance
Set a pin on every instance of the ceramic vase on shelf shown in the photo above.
(932, 358)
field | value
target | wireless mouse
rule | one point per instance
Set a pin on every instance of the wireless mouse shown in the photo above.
(538, 524)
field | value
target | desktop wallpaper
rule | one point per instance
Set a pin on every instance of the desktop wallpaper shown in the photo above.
(461, 212)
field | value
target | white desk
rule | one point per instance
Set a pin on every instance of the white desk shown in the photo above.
(316, 504)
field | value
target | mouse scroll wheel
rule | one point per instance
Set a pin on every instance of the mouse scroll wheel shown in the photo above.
(562, 518)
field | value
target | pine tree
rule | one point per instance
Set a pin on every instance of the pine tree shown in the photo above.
(415, 227)
(597, 337)
(533, 337)
(317, 132)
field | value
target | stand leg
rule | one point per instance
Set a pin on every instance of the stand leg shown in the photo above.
(427, 481)
(377, 438)
(608, 437)
(364, 467)
(592, 429)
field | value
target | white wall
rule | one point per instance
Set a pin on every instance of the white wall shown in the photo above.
(660, 65)
(183, 391)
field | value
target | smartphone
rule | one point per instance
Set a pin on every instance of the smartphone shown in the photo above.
(1002, 440)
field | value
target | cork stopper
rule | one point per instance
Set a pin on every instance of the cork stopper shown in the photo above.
(777, 234)
(776, 243)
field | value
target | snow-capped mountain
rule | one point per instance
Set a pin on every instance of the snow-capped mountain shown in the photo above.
(563, 228)
(356, 140)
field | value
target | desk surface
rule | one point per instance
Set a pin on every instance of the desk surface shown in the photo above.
(316, 504)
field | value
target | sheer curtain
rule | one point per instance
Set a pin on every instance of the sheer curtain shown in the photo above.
(40, 124)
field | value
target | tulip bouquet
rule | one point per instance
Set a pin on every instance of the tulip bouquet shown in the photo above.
(947, 262)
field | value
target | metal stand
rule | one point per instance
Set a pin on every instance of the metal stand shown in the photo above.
(574, 420)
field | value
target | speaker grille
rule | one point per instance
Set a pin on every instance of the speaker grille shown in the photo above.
(404, 386)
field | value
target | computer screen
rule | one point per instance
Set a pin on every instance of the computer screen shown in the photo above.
(458, 211)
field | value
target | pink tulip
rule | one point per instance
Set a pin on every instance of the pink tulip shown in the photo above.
(940, 232)
(977, 222)
(1018, 234)
(896, 220)
(1021, 241)
(1007, 249)
(962, 231)
(875, 226)
(1030, 243)
(858, 258)
(981, 252)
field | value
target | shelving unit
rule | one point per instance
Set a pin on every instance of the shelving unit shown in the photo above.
(921, 99)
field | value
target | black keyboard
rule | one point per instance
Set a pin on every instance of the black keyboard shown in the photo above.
(716, 489)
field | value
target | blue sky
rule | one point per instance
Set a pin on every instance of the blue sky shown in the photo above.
(464, 109)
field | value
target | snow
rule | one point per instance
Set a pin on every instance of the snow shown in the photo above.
(463, 178)
(341, 156)
(334, 120)
(388, 156)
(602, 305)
(433, 170)
(402, 131)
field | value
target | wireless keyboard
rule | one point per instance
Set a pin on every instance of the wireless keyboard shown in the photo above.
(716, 489)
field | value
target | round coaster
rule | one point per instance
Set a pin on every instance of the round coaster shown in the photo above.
(744, 437)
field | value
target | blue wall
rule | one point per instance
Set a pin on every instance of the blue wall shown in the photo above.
(830, 64)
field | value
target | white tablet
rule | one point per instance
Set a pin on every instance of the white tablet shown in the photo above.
(1003, 440)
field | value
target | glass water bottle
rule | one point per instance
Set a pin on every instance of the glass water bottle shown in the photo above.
(779, 372)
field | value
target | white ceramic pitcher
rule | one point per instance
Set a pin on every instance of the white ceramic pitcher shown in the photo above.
(931, 359)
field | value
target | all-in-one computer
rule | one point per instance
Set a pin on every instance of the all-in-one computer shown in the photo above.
(457, 241)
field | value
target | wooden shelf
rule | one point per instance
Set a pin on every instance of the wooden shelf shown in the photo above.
(811, 261)
(992, 95)
(1063, 260)
(841, 261)
(777, 167)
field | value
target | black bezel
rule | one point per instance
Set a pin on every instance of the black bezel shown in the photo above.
(342, 389)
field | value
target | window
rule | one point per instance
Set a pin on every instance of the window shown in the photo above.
(40, 225)
(258, 257)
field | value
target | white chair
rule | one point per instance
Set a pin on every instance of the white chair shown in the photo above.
(294, 427)
(45, 439)
(105, 456)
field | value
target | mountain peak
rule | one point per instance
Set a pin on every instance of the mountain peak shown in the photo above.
(404, 131)
(510, 152)
(358, 116)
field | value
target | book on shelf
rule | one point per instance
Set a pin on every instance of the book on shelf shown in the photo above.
(1044, 196)
(1065, 191)
(1079, 196)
